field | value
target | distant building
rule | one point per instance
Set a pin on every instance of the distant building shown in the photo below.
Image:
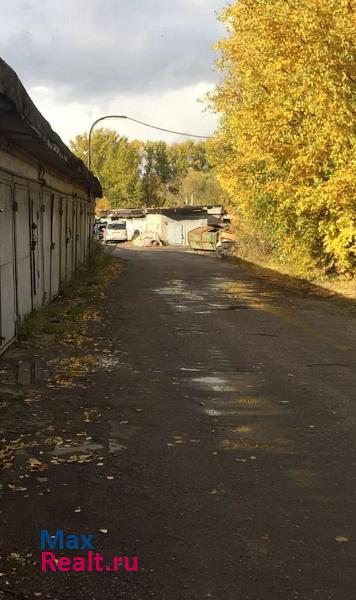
(46, 208)
(135, 220)
(172, 225)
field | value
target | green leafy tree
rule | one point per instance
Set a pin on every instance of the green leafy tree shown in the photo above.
(116, 162)
(188, 156)
(103, 145)
(122, 173)
(156, 173)
(149, 173)
(203, 188)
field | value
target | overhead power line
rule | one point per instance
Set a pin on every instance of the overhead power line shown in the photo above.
(191, 135)
(204, 137)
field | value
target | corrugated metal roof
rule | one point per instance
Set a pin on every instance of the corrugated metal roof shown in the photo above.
(128, 212)
(22, 123)
(178, 210)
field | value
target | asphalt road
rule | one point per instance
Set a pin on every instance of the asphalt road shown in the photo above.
(225, 424)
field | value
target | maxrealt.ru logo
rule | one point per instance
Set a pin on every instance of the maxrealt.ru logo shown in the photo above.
(53, 559)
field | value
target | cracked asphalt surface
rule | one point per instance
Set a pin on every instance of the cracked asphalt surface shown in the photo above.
(215, 441)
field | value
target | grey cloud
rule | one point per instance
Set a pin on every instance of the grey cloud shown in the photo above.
(95, 48)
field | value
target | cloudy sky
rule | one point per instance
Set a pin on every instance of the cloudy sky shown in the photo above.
(80, 59)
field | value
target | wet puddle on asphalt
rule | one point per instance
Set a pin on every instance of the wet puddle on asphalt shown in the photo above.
(84, 448)
(212, 412)
(59, 372)
(183, 298)
(236, 403)
(26, 373)
(210, 380)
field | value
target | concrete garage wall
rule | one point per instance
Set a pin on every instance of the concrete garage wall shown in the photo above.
(154, 223)
(44, 238)
(135, 224)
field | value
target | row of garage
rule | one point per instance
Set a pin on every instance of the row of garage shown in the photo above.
(44, 237)
(47, 198)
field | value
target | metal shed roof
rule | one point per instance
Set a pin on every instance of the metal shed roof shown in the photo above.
(22, 123)
(187, 211)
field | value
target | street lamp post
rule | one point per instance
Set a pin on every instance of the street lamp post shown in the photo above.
(91, 133)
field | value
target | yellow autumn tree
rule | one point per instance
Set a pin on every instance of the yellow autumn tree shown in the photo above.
(285, 145)
(102, 205)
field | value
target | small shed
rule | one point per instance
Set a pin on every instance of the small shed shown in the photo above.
(173, 225)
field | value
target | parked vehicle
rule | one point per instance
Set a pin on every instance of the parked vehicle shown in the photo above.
(99, 230)
(115, 231)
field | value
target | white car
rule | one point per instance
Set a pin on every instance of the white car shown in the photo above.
(115, 231)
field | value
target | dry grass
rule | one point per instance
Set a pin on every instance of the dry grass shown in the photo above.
(68, 316)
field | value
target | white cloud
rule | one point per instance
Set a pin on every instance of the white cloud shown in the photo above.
(179, 110)
(80, 59)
